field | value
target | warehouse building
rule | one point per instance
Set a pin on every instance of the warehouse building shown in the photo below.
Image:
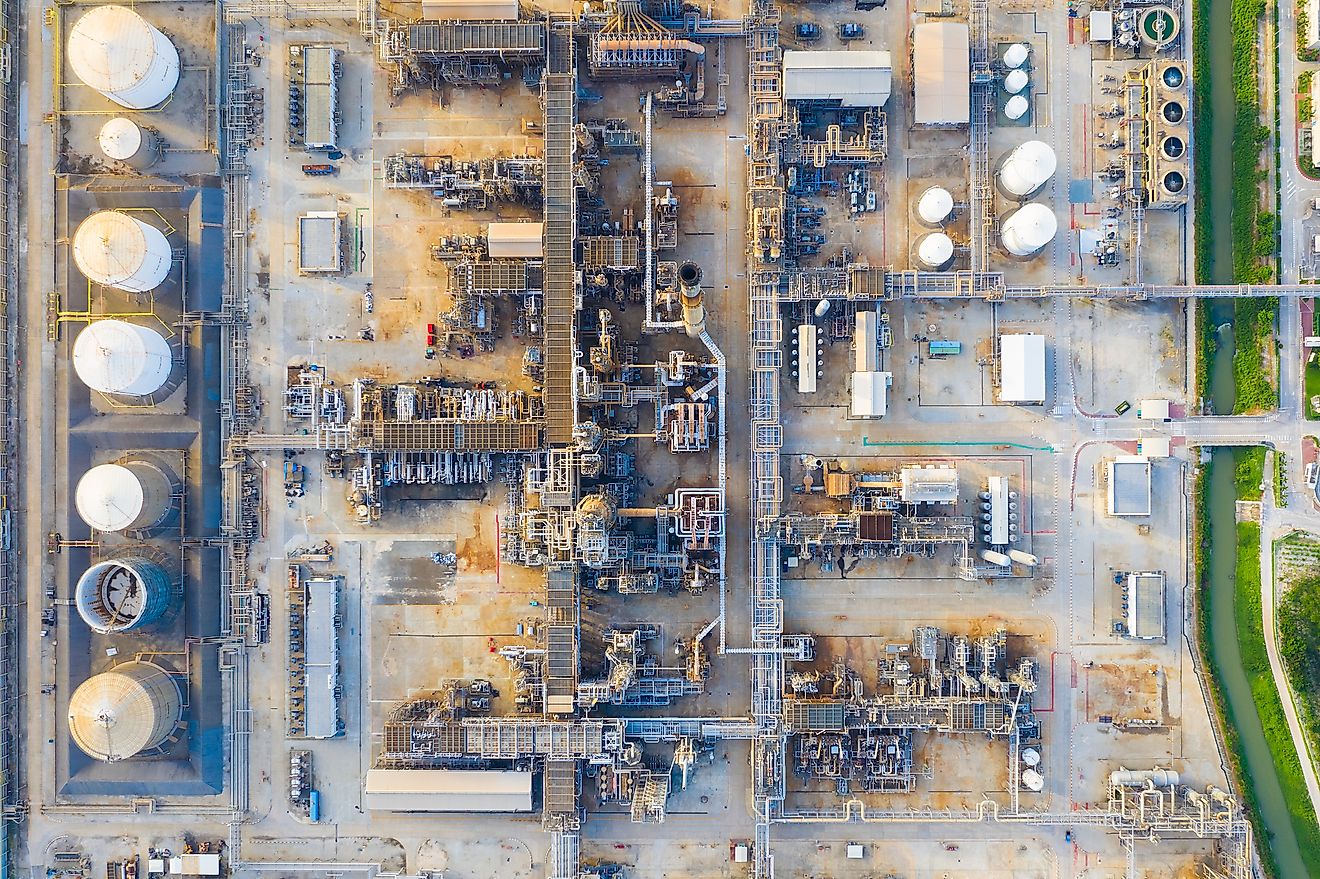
(1022, 368)
(515, 240)
(1129, 486)
(854, 79)
(941, 74)
(870, 394)
(470, 10)
(321, 93)
(1145, 606)
(447, 790)
(936, 484)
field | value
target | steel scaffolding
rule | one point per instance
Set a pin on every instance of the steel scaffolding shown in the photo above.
(560, 284)
(983, 94)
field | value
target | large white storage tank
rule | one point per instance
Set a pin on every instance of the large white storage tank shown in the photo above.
(132, 496)
(935, 205)
(1028, 229)
(117, 52)
(123, 140)
(122, 712)
(935, 250)
(119, 250)
(1027, 168)
(117, 357)
(122, 594)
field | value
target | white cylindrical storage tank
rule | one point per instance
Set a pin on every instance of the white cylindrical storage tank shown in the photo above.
(1016, 55)
(117, 52)
(1016, 81)
(1016, 107)
(1033, 780)
(119, 250)
(1031, 756)
(122, 712)
(1027, 168)
(121, 594)
(123, 140)
(1028, 229)
(935, 205)
(133, 496)
(117, 357)
(822, 308)
(935, 250)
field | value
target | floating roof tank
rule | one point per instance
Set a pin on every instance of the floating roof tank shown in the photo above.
(117, 357)
(1016, 81)
(133, 496)
(935, 249)
(117, 52)
(119, 250)
(935, 205)
(1016, 107)
(1027, 168)
(122, 712)
(122, 594)
(123, 140)
(1016, 55)
(1028, 229)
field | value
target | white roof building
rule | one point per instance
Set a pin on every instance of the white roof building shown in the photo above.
(941, 73)
(447, 790)
(1153, 410)
(1312, 34)
(936, 484)
(870, 394)
(1022, 368)
(855, 79)
(470, 10)
(515, 240)
(320, 243)
(1128, 493)
(1145, 613)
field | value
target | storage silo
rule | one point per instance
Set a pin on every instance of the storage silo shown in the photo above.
(123, 140)
(1028, 229)
(120, 713)
(1016, 55)
(118, 595)
(1015, 81)
(1016, 107)
(132, 496)
(117, 357)
(935, 250)
(1027, 168)
(119, 250)
(117, 52)
(934, 205)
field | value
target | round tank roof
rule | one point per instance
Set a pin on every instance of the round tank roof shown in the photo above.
(120, 139)
(121, 594)
(1016, 55)
(109, 497)
(117, 52)
(935, 249)
(1015, 81)
(119, 250)
(125, 711)
(1028, 229)
(1016, 107)
(116, 357)
(935, 205)
(1032, 780)
(1028, 167)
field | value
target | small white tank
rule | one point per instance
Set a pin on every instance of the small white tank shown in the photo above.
(120, 54)
(1031, 757)
(822, 308)
(118, 250)
(1016, 55)
(123, 140)
(1027, 168)
(117, 357)
(935, 250)
(1016, 107)
(934, 205)
(1028, 229)
(995, 558)
(1016, 81)
(1033, 780)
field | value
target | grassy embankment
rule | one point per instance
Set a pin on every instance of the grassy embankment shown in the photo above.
(1254, 227)
(1248, 474)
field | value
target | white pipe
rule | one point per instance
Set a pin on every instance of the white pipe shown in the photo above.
(721, 376)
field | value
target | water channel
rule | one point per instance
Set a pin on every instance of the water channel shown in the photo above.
(1221, 492)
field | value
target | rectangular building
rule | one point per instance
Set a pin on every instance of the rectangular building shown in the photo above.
(1145, 613)
(320, 97)
(941, 73)
(807, 353)
(470, 10)
(936, 484)
(1129, 486)
(862, 78)
(998, 487)
(866, 341)
(321, 663)
(447, 790)
(1022, 368)
(515, 240)
(320, 243)
(870, 394)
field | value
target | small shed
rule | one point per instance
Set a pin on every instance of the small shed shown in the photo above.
(1101, 23)
(515, 240)
(1153, 410)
